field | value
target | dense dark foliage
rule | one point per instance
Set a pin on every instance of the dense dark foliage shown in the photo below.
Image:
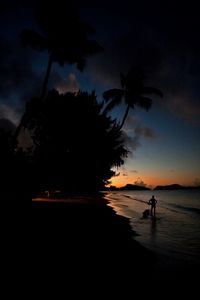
(64, 35)
(75, 145)
(16, 169)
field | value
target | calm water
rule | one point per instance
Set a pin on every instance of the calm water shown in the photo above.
(176, 231)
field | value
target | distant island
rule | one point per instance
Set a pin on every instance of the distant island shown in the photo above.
(176, 187)
(128, 187)
(135, 187)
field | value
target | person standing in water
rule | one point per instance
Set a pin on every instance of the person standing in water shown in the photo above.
(153, 203)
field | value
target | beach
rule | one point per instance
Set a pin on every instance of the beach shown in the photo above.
(82, 238)
(173, 235)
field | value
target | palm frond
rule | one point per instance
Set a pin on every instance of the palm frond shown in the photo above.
(92, 47)
(109, 106)
(33, 39)
(144, 102)
(87, 27)
(152, 90)
(123, 79)
(116, 94)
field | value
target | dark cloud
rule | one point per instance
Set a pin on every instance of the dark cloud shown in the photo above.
(134, 131)
(132, 122)
(7, 125)
(133, 171)
(145, 132)
(18, 80)
(132, 137)
(9, 112)
(70, 84)
(132, 143)
(162, 38)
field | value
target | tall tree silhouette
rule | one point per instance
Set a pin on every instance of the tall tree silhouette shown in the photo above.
(63, 35)
(133, 92)
(77, 157)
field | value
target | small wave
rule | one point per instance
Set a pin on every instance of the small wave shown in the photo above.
(135, 199)
(174, 210)
(187, 208)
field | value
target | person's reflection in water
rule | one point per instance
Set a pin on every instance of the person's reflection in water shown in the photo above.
(153, 229)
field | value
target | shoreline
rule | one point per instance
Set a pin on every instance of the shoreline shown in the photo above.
(84, 234)
(173, 263)
(92, 235)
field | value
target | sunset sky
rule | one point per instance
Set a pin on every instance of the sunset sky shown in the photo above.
(163, 39)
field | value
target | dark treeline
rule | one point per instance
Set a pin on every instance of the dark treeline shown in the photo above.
(75, 145)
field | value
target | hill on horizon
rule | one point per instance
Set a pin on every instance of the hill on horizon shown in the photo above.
(175, 186)
(128, 187)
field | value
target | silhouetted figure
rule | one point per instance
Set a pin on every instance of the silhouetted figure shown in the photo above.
(153, 203)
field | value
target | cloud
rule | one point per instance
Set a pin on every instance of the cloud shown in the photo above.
(145, 132)
(10, 113)
(140, 182)
(133, 133)
(18, 81)
(132, 122)
(135, 33)
(179, 80)
(185, 106)
(131, 142)
(133, 171)
(7, 125)
(140, 33)
(70, 84)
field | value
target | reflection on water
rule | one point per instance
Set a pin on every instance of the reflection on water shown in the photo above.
(153, 229)
(175, 231)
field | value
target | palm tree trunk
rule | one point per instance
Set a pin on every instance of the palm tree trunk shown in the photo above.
(125, 116)
(19, 127)
(44, 89)
(46, 79)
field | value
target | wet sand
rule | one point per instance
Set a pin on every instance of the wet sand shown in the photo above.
(82, 240)
(81, 237)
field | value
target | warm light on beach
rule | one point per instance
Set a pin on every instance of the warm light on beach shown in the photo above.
(152, 180)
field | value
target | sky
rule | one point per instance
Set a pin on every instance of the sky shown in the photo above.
(162, 37)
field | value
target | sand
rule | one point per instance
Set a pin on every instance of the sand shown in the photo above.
(80, 235)
(82, 240)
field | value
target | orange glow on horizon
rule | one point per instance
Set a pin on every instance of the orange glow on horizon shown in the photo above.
(150, 181)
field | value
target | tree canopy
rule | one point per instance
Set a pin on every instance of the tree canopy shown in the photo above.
(75, 145)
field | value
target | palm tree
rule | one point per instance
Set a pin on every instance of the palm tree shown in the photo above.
(65, 39)
(132, 93)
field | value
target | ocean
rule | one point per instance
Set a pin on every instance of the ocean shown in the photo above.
(175, 233)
